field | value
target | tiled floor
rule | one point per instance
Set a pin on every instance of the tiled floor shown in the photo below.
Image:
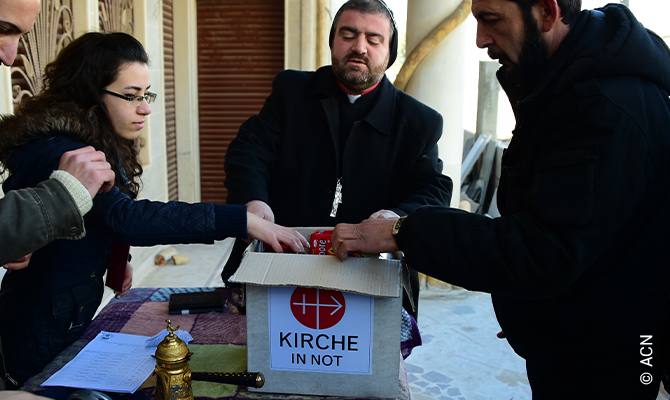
(461, 358)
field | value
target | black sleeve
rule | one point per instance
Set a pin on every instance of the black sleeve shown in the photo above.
(583, 197)
(426, 185)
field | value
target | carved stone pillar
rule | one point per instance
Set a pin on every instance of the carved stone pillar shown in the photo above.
(52, 31)
(436, 42)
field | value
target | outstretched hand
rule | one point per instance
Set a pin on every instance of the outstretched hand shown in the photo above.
(273, 234)
(370, 236)
(19, 263)
(384, 214)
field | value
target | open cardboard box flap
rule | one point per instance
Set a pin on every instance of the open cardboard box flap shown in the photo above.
(367, 276)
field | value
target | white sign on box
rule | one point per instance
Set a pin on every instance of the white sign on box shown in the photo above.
(318, 330)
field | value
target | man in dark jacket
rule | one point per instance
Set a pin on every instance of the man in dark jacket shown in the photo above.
(340, 144)
(31, 218)
(54, 209)
(576, 265)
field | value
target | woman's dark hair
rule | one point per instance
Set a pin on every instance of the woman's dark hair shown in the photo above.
(77, 75)
(369, 7)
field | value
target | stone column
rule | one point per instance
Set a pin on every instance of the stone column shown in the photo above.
(438, 80)
(185, 36)
(307, 25)
(438, 38)
(86, 16)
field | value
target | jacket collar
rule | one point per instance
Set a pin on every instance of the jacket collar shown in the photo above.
(324, 84)
(62, 119)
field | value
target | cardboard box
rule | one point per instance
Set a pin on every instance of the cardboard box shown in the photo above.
(320, 326)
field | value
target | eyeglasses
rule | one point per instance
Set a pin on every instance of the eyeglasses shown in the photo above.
(132, 99)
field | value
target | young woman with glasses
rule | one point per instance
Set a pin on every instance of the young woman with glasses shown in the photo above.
(97, 93)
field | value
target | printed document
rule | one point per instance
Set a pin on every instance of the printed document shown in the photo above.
(112, 362)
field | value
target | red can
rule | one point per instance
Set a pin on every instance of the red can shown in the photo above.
(320, 245)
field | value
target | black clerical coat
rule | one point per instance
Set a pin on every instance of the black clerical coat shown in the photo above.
(288, 155)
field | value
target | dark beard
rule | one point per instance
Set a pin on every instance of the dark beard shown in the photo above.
(534, 54)
(357, 82)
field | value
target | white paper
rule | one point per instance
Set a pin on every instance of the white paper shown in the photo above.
(316, 330)
(112, 362)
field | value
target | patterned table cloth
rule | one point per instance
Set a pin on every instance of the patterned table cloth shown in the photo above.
(219, 344)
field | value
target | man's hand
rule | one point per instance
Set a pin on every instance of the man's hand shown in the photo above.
(20, 395)
(384, 214)
(370, 236)
(273, 234)
(19, 263)
(127, 281)
(261, 209)
(90, 168)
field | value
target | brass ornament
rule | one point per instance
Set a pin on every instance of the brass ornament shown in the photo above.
(173, 376)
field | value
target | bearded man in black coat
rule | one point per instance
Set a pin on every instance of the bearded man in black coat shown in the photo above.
(340, 144)
(577, 263)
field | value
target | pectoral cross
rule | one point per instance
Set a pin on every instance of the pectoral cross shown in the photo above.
(338, 198)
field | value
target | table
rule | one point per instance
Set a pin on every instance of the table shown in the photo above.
(219, 344)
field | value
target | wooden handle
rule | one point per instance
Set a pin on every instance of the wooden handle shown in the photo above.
(251, 379)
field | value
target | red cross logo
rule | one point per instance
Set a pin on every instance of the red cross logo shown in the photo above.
(317, 308)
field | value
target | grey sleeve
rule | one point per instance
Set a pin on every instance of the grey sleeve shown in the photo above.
(31, 218)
